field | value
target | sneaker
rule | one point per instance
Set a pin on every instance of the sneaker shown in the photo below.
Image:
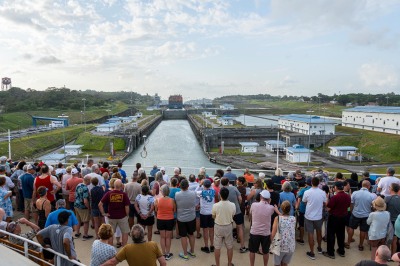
(183, 256)
(205, 249)
(212, 248)
(319, 250)
(192, 254)
(326, 254)
(243, 250)
(311, 255)
(301, 242)
(168, 256)
(87, 237)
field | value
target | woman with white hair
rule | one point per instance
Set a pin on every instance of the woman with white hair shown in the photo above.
(278, 177)
(288, 195)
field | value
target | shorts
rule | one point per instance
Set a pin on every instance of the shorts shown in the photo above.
(256, 240)
(347, 223)
(149, 221)
(167, 225)
(132, 211)
(377, 243)
(96, 213)
(284, 257)
(223, 233)
(83, 215)
(310, 225)
(239, 218)
(356, 222)
(122, 223)
(206, 221)
(186, 228)
(28, 204)
(301, 221)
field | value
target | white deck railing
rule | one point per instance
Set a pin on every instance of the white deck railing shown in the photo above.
(58, 256)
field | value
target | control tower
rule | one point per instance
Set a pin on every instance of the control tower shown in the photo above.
(5, 84)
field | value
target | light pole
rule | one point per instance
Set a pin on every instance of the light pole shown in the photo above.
(309, 138)
(84, 111)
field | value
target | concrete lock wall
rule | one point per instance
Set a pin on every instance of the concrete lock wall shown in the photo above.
(175, 114)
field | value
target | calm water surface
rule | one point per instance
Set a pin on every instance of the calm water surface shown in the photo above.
(172, 144)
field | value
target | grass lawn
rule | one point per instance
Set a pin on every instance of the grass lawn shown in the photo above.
(380, 147)
(30, 147)
(94, 143)
(20, 120)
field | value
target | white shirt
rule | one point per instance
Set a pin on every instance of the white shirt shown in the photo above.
(315, 198)
(166, 178)
(385, 183)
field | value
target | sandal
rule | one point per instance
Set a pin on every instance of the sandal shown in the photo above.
(361, 248)
(346, 245)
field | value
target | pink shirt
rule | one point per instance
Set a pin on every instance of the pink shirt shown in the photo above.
(261, 213)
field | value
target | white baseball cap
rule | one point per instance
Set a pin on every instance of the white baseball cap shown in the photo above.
(265, 194)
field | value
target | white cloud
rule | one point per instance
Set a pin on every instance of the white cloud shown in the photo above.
(379, 75)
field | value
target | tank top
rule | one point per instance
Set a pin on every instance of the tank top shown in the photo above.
(42, 216)
(165, 209)
(45, 182)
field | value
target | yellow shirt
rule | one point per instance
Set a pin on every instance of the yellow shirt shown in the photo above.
(143, 254)
(223, 212)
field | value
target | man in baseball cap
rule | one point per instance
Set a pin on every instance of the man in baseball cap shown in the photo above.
(260, 229)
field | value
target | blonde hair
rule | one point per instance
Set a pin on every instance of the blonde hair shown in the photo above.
(144, 183)
(112, 181)
(105, 231)
(278, 172)
(116, 175)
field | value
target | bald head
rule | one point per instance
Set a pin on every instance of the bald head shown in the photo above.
(86, 180)
(118, 184)
(383, 253)
(366, 184)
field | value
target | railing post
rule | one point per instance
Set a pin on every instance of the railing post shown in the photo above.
(26, 252)
(58, 260)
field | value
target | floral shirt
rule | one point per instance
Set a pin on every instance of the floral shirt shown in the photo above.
(6, 204)
(81, 193)
(287, 226)
(29, 235)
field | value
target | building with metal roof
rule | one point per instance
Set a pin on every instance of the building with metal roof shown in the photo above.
(249, 146)
(298, 154)
(307, 124)
(376, 118)
(342, 151)
(272, 145)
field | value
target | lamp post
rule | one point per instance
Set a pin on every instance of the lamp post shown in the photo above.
(309, 138)
(84, 111)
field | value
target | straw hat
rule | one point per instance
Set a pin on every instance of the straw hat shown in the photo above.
(379, 204)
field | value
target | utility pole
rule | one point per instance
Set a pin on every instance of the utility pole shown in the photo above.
(84, 111)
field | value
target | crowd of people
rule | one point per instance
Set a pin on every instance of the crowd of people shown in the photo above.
(60, 204)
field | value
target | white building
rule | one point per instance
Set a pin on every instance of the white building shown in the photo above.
(249, 146)
(272, 145)
(52, 158)
(298, 154)
(376, 118)
(342, 151)
(107, 127)
(226, 120)
(73, 149)
(226, 106)
(206, 113)
(307, 124)
(139, 114)
(56, 124)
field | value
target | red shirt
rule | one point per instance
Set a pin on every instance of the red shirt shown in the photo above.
(45, 182)
(116, 201)
(339, 204)
(72, 183)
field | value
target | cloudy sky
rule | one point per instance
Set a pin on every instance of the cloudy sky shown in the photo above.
(203, 48)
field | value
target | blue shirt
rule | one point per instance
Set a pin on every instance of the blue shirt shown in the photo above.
(96, 194)
(362, 201)
(53, 218)
(173, 191)
(289, 196)
(123, 174)
(154, 171)
(27, 185)
(230, 176)
(302, 207)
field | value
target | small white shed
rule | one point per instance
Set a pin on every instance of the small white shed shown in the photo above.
(52, 158)
(342, 151)
(298, 154)
(226, 120)
(249, 146)
(272, 145)
(73, 149)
